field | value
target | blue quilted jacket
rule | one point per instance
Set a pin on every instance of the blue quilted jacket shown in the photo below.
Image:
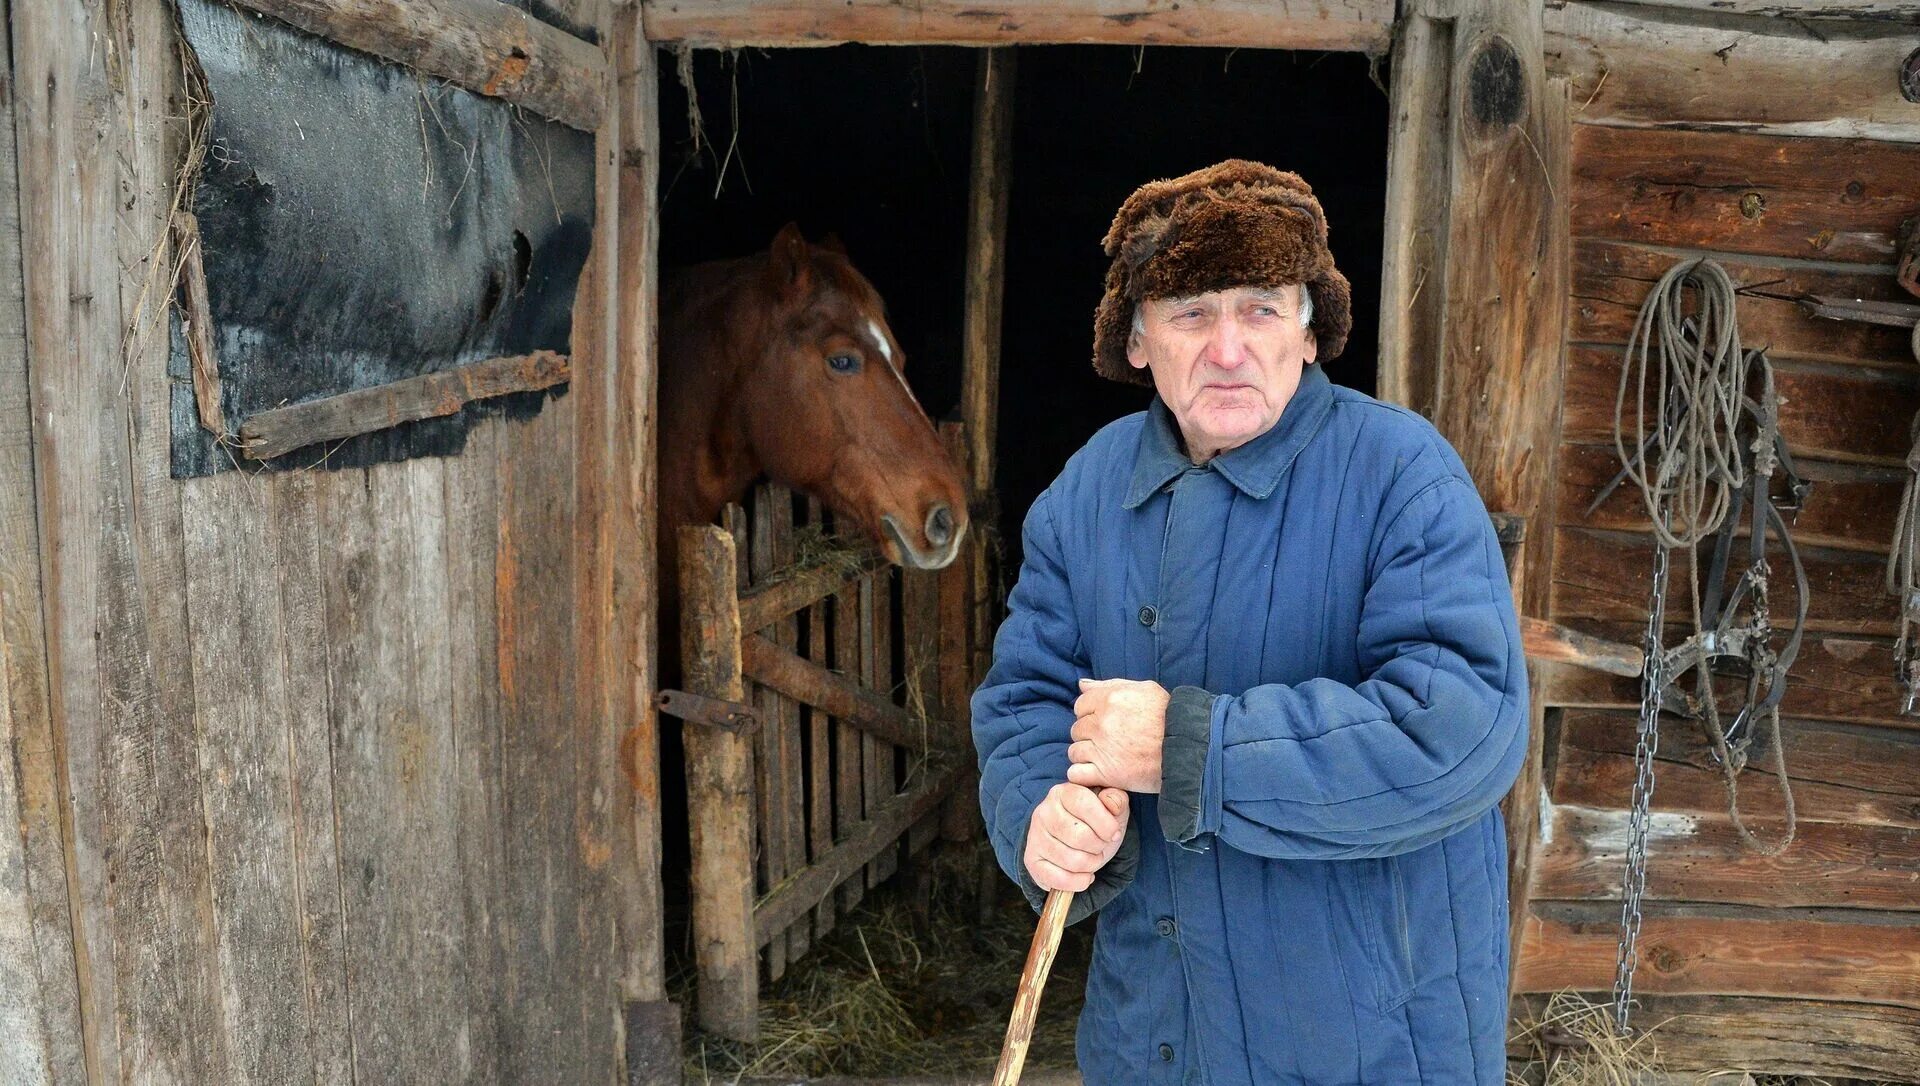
(1318, 894)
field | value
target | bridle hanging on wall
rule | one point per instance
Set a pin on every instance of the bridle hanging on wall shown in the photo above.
(1705, 467)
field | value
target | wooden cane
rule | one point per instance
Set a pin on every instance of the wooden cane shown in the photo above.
(1026, 1001)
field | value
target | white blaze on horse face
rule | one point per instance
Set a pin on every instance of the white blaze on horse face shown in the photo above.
(886, 352)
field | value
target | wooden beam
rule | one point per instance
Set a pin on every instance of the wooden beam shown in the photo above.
(281, 430)
(1659, 67)
(1865, 11)
(765, 604)
(1358, 25)
(486, 46)
(986, 263)
(631, 478)
(1552, 641)
(197, 323)
(780, 669)
(1414, 263)
(1850, 955)
(719, 790)
(789, 901)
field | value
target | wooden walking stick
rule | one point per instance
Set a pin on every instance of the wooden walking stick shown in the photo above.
(1026, 1001)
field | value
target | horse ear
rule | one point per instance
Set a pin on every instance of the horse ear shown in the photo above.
(789, 254)
(833, 244)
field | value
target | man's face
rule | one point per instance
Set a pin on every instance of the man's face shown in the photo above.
(1225, 362)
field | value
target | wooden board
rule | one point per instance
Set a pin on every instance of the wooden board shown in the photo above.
(1780, 1036)
(1819, 954)
(1611, 281)
(1850, 507)
(38, 934)
(1835, 677)
(1604, 576)
(1602, 781)
(1814, 198)
(1892, 11)
(1846, 413)
(1816, 752)
(1277, 24)
(240, 691)
(1645, 67)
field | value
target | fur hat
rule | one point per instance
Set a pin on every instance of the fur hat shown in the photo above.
(1235, 224)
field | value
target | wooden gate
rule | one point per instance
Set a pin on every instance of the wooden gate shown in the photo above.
(825, 706)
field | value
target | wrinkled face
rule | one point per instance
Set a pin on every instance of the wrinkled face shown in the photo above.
(1225, 362)
(838, 421)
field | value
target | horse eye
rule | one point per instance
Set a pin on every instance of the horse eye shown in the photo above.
(843, 363)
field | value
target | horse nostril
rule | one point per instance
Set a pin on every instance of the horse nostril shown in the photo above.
(940, 525)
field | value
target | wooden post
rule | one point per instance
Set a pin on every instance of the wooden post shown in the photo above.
(1473, 310)
(719, 790)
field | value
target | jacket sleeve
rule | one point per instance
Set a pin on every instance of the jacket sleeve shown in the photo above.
(1023, 714)
(1426, 743)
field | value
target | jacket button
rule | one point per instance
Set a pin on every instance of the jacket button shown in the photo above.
(1166, 1053)
(1164, 926)
(1148, 616)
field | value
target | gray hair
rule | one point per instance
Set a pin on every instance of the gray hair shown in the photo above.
(1306, 311)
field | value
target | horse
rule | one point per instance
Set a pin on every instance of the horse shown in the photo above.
(781, 364)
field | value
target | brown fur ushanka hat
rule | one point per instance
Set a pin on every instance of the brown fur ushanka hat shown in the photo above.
(1234, 224)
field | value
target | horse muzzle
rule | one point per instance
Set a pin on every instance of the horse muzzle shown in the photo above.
(943, 538)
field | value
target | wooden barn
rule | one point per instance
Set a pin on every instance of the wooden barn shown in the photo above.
(332, 742)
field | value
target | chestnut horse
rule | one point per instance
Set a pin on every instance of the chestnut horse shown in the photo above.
(781, 364)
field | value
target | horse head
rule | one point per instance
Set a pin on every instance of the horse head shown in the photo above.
(796, 375)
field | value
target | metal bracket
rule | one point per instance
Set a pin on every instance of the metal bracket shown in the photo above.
(727, 715)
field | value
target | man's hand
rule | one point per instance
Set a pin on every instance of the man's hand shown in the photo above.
(1073, 833)
(1117, 736)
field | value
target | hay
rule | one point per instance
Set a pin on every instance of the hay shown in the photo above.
(888, 994)
(1574, 1040)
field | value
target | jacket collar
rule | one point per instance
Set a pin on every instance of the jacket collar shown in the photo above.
(1256, 467)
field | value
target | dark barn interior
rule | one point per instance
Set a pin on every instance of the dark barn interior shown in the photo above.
(871, 143)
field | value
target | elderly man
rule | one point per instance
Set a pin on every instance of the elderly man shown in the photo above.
(1261, 686)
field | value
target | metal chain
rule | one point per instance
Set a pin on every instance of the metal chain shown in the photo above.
(1652, 682)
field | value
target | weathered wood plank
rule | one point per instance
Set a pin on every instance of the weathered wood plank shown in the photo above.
(294, 525)
(819, 749)
(1362, 25)
(1611, 280)
(1849, 10)
(1851, 507)
(1871, 759)
(1653, 68)
(402, 889)
(1767, 195)
(1850, 414)
(50, 1039)
(1419, 165)
(196, 323)
(990, 184)
(795, 678)
(848, 659)
(553, 1010)
(770, 845)
(1780, 1036)
(1593, 781)
(788, 591)
(26, 1052)
(719, 779)
(281, 430)
(240, 704)
(485, 46)
(1605, 576)
(1728, 951)
(787, 902)
(1700, 859)
(632, 520)
(170, 1003)
(1550, 641)
(1836, 678)
(883, 778)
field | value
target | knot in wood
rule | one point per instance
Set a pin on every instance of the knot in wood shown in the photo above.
(1496, 86)
(1910, 77)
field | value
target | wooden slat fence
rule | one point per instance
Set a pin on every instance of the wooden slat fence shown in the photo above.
(856, 673)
